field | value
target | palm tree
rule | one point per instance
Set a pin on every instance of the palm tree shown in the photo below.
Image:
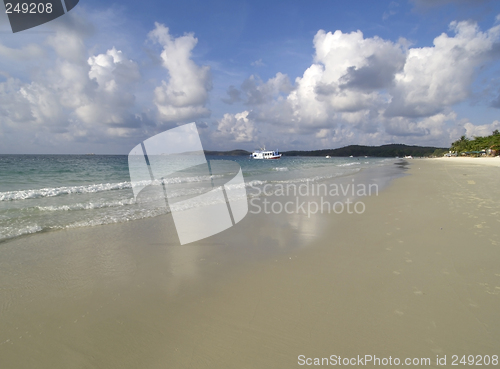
(460, 145)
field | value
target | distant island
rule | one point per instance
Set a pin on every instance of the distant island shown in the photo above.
(227, 153)
(384, 151)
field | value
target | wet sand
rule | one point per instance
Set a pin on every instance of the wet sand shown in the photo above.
(417, 275)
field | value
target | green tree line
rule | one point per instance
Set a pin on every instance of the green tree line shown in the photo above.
(479, 143)
(391, 150)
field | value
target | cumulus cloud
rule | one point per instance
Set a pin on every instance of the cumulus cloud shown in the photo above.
(431, 126)
(94, 92)
(115, 76)
(348, 58)
(254, 91)
(185, 94)
(79, 98)
(236, 127)
(257, 92)
(48, 98)
(472, 130)
(440, 76)
(348, 72)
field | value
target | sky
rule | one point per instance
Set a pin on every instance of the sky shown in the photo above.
(288, 75)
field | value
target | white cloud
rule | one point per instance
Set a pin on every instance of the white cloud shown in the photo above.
(91, 97)
(185, 94)
(347, 76)
(257, 92)
(78, 98)
(354, 62)
(111, 70)
(115, 76)
(433, 127)
(236, 127)
(258, 63)
(472, 130)
(440, 76)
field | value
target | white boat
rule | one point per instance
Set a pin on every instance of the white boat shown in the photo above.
(266, 154)
(328, 156)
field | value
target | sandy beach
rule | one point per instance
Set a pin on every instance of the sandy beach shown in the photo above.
(490, 161)
(415, 276)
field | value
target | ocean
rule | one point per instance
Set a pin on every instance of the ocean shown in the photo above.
(40, 193)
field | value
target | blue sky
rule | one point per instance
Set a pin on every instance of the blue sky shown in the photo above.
(285, 74)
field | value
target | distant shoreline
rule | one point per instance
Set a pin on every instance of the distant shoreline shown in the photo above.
(383, 151)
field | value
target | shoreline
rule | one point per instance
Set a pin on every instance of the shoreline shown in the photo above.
(416, 275)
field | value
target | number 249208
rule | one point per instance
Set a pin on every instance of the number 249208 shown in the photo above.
(474, 360)
(26, 8)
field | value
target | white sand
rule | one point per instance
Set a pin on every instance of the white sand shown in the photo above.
(491, 161)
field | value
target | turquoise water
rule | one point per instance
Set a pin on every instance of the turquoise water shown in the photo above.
(48, 192)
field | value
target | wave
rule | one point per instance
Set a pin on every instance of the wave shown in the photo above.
(87, 206)
(122, 218)
(93, 188)
(58, 191)
(348, 164)
(9, 232)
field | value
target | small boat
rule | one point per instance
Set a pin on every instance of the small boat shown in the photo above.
(328, 156)
(265, 154)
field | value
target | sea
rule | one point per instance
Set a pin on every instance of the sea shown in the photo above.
(41, 193)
